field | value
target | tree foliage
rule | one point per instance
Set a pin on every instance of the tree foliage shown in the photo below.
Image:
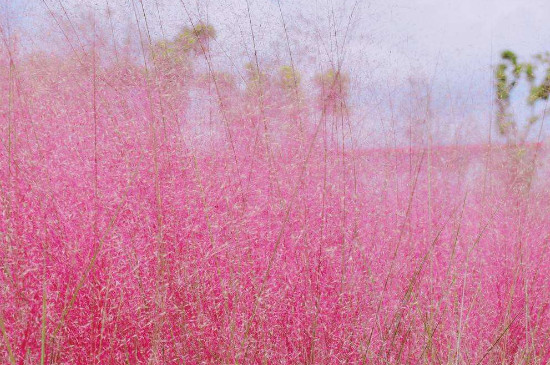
(334, 90)
(508, 74)
(189, 40)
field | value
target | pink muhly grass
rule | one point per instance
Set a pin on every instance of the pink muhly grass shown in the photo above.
(169, 216)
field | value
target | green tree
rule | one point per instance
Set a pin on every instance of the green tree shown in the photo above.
(289, 78)
(334, 90)
(256, 80)
(508, 74)
(196, 39)
(189, 40)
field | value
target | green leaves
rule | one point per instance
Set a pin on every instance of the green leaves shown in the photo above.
(510, 56)
(530, 71)
(289, 77)
(178, 50)
(196, 38)
(508, 74)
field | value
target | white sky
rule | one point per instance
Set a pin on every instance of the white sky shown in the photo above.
(462, 32)
(450, 44)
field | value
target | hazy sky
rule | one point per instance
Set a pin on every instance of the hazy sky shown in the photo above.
(450, 45)
(462, 32)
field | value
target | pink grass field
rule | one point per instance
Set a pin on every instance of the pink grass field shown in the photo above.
(149, 217)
